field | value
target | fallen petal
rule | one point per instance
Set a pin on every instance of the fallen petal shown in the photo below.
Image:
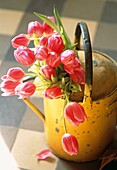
(43, 154)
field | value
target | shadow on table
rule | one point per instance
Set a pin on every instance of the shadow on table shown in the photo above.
(93, 165)
(66, 165)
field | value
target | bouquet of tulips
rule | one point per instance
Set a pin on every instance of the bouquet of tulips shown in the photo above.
(54, 71)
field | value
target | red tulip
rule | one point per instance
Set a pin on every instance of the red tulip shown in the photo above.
(41, 53)
(24, 56)
(53, 59)
(78, 76)
(55, 43)
(68, 57)
(73, 66)
(15, 74)
(75, 113)
(48, 72)
(70, 144)
(25, 90)
(36, 28)
(20, 40)
(46, 28)
(53, 92)
(43, 41)
(8, 87)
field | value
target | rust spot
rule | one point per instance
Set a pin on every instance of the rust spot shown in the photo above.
(88, 145)
(56, 121)
(107, 115)
(57, 130)
(97, 102)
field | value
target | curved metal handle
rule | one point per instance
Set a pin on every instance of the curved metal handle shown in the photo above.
(81, 29)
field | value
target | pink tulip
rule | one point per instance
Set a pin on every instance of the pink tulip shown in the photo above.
(46, 28)
(68, 57)
(36, 28)
(55, 43)
(70, 144)
(15, 74)
(44, 154)
(69, 68)
(25, 90)
(70, 62)
(48, 71)
(8, 87)
(78, 76)
(72, 68)
(53, 92)
(75, 113)
(53, 59)
(41, 53)
(24, 56)
(20, 40)
(43, 41)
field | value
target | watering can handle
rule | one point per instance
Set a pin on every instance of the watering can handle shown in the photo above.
(81, 29)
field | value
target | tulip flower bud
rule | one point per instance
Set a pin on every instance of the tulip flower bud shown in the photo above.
(20, 40)
(15, 74)
(46, 28)
(8, 87)
(53, 59)
(35, 28)
(25, 90)
(53, 92)
(44, 41)
(55, 43)
(68, 57)
(70, 144)
(48, 71)
(41, 53)
(24, 56)
(75, 113)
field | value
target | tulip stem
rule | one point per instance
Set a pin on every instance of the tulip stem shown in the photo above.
(34, 109)
(36, 41)
(64, 122)
(65, 129)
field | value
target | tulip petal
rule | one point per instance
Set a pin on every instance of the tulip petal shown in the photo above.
(43, 154)
(70, 144)
(8, 93)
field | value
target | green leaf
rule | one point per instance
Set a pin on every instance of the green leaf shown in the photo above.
(41, 85)
(75, 87)
(57, 17)
(34, 68)
(47, 20)
(60, 25)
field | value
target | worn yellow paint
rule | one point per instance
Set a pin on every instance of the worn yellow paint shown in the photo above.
(93, 136)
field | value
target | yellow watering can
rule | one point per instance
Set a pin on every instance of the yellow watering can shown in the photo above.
(99, 99)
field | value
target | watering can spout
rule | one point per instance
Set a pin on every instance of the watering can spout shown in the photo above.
(35, 109)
